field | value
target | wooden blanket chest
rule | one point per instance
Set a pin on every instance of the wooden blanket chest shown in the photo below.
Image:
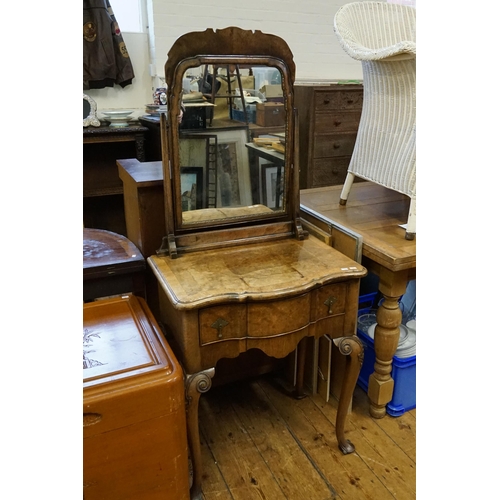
(134, 421)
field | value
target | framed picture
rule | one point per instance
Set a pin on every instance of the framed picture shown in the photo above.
(272, 188)
(192, 188)
(233, 172)
(200, 150)
(89, 112)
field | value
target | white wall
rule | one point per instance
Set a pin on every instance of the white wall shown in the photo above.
(133, 96)
(307, 27)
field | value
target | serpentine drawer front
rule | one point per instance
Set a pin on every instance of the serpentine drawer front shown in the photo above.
(272, 318)
(221, 323)
(329, 300)
(258, 319)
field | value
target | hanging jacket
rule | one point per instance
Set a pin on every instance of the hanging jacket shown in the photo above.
(106, 61)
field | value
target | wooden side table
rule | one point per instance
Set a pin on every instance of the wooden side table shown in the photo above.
(372, 217)
(270, 296)
(112, 265)
(144, 203)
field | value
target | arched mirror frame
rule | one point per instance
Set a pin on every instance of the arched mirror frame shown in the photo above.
(230, 45)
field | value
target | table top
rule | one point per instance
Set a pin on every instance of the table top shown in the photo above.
(256, 271)
(372, 211)
(102, 249)
(130, 129)
(266, 153)
(148, 173)
(117, 335)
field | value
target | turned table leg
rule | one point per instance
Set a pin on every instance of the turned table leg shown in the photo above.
(392, 285)
(196, 385)
(353, 349)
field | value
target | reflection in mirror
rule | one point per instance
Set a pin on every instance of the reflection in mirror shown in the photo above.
(232, 142)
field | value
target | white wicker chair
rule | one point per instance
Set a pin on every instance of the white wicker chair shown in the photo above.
(382, 36)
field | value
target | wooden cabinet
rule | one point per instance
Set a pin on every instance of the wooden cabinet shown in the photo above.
(328, 124)
(102, 187)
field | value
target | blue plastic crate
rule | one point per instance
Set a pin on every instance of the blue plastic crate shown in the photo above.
(240, 116)
(404, 370)
(366, 302)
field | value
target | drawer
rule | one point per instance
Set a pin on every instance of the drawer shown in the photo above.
(350, 99)
(223, 322)
(337, 122)
(334, 145)
(343, 99)
(278, 317)
(330, 171)
(326, 100)
(329, 300)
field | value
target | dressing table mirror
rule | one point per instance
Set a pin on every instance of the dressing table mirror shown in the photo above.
(223, 185)
(236, 271)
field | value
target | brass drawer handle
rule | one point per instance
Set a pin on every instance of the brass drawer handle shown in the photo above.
(219, 325)
(329, 302)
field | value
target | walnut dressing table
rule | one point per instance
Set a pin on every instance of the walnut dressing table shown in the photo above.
(233, 275)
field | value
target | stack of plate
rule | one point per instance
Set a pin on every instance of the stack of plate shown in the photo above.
(407, 346)
(118, 118)
(155, 109)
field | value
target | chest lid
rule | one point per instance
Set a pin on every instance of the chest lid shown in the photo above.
(121, 340)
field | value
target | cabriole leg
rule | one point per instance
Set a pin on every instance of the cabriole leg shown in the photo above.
(196, 385)
(353, 349)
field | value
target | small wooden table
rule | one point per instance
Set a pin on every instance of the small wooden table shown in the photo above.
(270, 296)
(144, 203)
(373, 215)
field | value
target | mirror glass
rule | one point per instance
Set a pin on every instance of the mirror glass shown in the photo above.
(231, 141)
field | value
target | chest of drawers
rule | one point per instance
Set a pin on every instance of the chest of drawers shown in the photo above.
(328, 123)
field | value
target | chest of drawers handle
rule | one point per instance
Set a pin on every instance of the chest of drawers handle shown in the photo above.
(219, 325)
(336, 145)
(329, 302)
(326, 101)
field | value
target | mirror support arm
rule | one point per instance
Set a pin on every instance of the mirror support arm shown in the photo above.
(300, 233)
(168, 246)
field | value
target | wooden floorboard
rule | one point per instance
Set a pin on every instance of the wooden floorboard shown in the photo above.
(260, 443)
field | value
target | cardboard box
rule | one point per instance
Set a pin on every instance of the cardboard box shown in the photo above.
(270, 114)
(272, 91)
